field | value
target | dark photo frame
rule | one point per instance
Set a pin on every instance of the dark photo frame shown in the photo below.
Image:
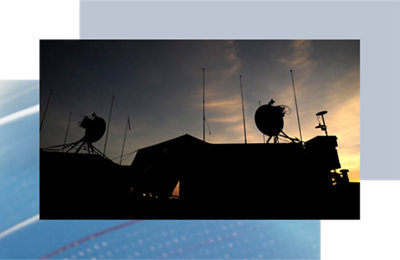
(199, 129)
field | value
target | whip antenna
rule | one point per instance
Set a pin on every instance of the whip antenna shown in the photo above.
(295, 101)
(259, 104)
(128, 125)
(66, 133)
(204, 115)
(45, 109)
(108, 125)
(244, 120)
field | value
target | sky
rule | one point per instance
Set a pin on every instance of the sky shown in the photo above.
(159, 85)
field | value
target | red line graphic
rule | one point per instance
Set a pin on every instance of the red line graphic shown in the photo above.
(85, 239)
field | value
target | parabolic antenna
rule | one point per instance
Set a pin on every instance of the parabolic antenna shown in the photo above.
(269, 119)
(95, 128)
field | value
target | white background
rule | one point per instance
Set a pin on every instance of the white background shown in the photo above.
(23, 23)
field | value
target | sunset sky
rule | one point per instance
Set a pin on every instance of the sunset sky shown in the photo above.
(158, 84)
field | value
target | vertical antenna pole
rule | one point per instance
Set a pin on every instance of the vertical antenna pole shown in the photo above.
(123, 144)
(45, 109)
(295, 101)
(108, 125)
(204, 115)
(244, 120)
(259, 104)
(66, 133)
(323, 121)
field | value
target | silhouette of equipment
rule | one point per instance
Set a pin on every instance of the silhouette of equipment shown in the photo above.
(269, 120)
(213, 180)
(95, 128)
(323, 125)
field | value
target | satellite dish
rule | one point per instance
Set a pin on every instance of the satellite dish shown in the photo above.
(269, 119)
(94, 130)
(95, 127)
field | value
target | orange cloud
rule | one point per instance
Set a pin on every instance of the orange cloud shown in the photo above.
(223, 103)
(300, 60)
(226, 119)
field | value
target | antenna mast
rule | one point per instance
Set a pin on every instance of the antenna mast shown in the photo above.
(259, 104)
(66, 133)
(108, 125)
(204, 116)
(123, 144)
(244, 120)
(45, 109)
(295, 101)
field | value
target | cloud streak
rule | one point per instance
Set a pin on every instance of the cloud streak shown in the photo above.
(20, 114)
(19, 226)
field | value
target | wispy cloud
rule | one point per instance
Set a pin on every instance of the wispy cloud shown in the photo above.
(223, 103)
(20, 114)
(231, 119)
(300, 60)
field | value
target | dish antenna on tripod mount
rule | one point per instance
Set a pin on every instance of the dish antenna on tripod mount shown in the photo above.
(94, 130)
(269, 120)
